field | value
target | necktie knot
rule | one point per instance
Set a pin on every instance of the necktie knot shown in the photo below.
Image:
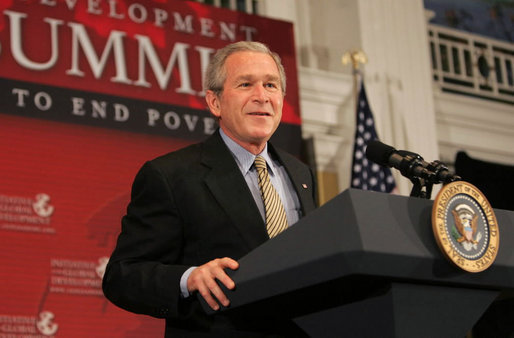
(260, 163)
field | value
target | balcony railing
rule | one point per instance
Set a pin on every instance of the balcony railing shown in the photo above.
(473, 65)
(248, 6)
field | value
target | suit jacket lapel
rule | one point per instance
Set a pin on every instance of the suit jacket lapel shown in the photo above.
(301, 178)
(231, 191)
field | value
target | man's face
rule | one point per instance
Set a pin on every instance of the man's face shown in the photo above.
(250, 105)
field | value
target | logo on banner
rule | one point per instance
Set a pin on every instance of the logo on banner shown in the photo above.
(42, 206)
(465, 226)
(100, 268)
(77, 277)
(26, 214)
(45, 324)
(28, 326)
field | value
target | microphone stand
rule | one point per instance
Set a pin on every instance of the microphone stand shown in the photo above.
(422, 186)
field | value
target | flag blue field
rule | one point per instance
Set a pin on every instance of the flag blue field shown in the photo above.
(367, 175)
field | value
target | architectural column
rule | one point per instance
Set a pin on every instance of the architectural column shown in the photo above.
(398, 75)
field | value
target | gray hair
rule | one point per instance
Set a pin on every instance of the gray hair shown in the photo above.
(216, 73)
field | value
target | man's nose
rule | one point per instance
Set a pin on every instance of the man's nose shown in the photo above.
(260, 93)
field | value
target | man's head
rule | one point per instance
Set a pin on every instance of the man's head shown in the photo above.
(215, 74)
(245, 91)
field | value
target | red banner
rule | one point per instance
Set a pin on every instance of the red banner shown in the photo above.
(89, 90)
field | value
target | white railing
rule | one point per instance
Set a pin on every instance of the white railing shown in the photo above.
(470, 64)
(248, 6)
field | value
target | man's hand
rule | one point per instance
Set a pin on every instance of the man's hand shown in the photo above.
(203, 280)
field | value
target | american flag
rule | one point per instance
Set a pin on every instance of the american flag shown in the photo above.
(367, 175)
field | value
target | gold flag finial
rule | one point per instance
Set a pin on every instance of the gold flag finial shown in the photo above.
(356, 57)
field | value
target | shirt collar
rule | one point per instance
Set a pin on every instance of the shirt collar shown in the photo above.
(244, 158)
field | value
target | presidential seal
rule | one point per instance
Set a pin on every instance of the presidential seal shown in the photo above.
(465, 226)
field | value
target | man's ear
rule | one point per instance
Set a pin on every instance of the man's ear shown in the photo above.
(213, 101)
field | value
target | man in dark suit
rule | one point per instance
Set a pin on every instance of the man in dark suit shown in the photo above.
(195, 211)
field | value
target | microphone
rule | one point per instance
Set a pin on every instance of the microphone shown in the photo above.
(410, 165)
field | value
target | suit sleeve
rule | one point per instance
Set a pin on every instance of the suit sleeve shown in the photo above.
(142, 275)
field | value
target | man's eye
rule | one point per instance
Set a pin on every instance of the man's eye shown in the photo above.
(271, 85)
(245, 84)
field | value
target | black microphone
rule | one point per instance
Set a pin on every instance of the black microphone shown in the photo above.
(410, 165)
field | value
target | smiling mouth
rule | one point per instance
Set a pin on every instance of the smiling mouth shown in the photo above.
(259, 114)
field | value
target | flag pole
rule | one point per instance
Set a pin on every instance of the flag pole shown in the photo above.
(356, 58)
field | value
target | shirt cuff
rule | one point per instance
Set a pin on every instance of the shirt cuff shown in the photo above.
(183, 282)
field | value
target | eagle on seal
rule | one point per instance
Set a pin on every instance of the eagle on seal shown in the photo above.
(466, 223)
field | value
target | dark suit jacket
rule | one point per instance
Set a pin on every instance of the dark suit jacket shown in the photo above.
(187, 208)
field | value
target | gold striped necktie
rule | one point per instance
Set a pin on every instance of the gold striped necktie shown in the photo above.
(276, 220)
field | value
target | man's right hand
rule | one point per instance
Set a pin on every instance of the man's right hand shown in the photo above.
(203, 280)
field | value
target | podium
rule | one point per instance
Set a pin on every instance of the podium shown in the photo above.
(366, 264)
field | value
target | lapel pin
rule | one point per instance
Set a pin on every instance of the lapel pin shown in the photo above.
(304, 185)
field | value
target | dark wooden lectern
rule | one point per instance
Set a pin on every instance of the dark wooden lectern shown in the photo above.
(366, 265)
